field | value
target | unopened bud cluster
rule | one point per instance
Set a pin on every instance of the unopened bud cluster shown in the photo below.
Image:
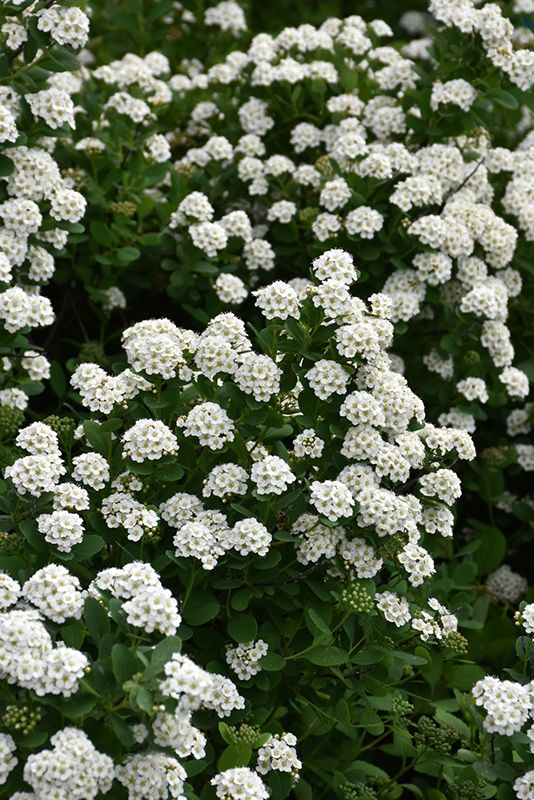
(21, 719)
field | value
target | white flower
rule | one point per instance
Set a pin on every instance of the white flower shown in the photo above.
(230, 289)
(394, 608)
(54, 106)
(278, 299)
(243, 659)
(332, 499)
(457, 92)
(149, 439)
(271, 475)
(473, 389)
(239, 783)
(327, 378)
(515, 381)
(507, 704)
(61, 529)
(210, 424)
(335, 264)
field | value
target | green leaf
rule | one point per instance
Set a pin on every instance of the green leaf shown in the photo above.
(101, 233)
(91, 545)
(204, 268)
(78, 706)
(144, 699)
(36, 737)
(280, 784)
(122, 730)
(464, 574)
(123, 662)
(272, 662)
(236, 755)
(370, 720)
(242, 628)
(435, 794)
(326, 656)
(28, 527)
(169, 473)
(31, 388)
(200, 608)
(503, 98)
(296, 330)
(158, 10)
(303, 790)
(316, 623)
(308, 404)
(73, 634)
(96, 619)
(128, 254)
(98, 438)
(225, 732)
(368, 655)
(60, 59)
(241, 598)
(58, 381)
(6, 166)
(464, 676)
(161, 654)
(492, 551)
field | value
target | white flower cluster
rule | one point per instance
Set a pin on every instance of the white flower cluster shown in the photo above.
(7, 759)
(279, 753)
(239, 783)
(465, 248)
(308, 443)
(152, 776)
(496, 32)
(154, 347)
(226, 15)
(147, 604)
(40, 471)
(394, 608)
(390, 478)
(440, 625)
(55, 592)
(205, 539)
(177, 732)
(35, 474)
(506, 585)
(526, 618)
(149, 439)
(67, 26)
(72, 767)
(121, 509)
(36, 200)
(457, 92)
(524, 786)
(210, 424)
(195, 688)
(30, 659)
(271, 475)
(508, 705)
(244, 659)
(63, 529)
(91, 469)
(332, 499)
(100, 391)
(207, 535)
(380, 453)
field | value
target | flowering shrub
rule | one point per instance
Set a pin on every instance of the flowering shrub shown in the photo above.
(332, 137)
(39, 207)
(260, 534)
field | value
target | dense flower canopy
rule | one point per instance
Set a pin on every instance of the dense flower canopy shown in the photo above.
(266, 305)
